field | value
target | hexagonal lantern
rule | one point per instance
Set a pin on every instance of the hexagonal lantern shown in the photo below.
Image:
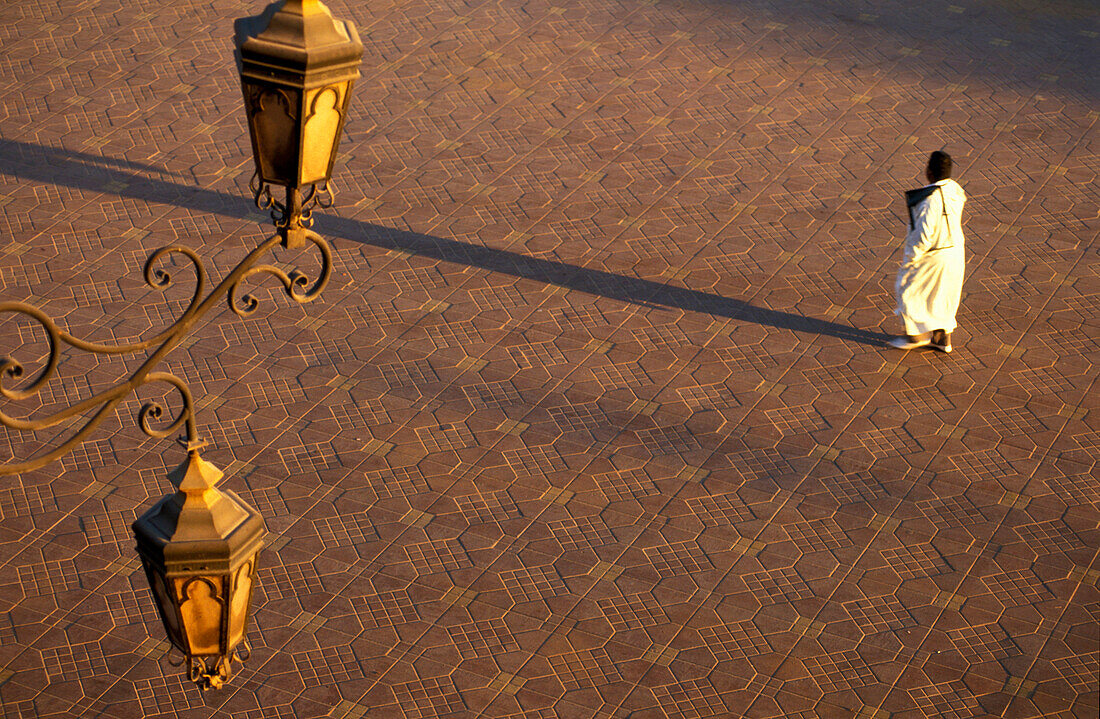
(199, 549)
(297, 65)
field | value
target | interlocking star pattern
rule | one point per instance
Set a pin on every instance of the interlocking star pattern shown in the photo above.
(594, 418)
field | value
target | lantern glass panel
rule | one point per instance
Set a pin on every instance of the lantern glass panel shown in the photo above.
(273, 114)
(167, 609)
(201, 611)
(239, 601)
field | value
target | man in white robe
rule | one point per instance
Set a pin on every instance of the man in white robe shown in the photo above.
(930, 278)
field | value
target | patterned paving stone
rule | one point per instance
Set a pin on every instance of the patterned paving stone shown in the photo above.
(594, 418)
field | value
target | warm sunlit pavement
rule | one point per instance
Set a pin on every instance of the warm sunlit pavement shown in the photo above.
(595, 419)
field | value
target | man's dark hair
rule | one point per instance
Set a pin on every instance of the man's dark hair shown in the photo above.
(939, 166)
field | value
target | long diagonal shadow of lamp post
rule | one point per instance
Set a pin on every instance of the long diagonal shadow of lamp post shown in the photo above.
(91, 172)
(199, 545)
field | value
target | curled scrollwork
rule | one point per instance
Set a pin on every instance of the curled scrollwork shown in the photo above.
(155, 277)
(261, 194)
(212, 672)
(296, 284)
(57, 338)
(321, 194)
(13, 368)
(103, 405)
(152, 411)
(159, 279)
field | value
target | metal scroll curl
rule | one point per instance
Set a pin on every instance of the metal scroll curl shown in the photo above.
(102, 405)
(151, 412)
(296, 284)
(321, 194)
(212, 672)
(157, 278)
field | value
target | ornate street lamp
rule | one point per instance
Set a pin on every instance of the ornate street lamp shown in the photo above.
(297, 66)
(199, 546)
(199, 550)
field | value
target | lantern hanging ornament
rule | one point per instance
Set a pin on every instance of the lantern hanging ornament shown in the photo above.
(297, 66)
(199, 549)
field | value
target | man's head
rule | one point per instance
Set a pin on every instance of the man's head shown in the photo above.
(939, 166)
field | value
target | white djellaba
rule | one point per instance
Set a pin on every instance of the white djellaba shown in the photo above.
(930, 278)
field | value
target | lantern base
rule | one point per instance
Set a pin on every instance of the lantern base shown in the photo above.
(215, 672)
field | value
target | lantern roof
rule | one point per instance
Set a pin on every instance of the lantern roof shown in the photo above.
(298, 40)
(200, 525)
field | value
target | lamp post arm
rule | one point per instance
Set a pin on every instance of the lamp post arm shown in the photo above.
(296, 285)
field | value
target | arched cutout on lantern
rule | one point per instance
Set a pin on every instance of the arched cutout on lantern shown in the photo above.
(319, 134)
(274, 118)
(201, 610)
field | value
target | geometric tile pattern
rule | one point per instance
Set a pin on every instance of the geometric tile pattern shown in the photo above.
(949, 512)
(631, 484)
(818, 535)
(1017, 587)
(439, 555)
(735, 641)
(879, 614)
(165, 695)
(397, 482)
(1079, 488)
(528, 585)
(482, 638)
(74, 659)
(1081, 671)
(689, 699)
(634, 611)
(386, 609)
(324, 667)
(839, 671)
(950, 699)
(434, 697)
(760, 463)
(889, 441)
(611, 281)
(720, 510)
(1050, 536)
(289, 580)
(919, 560)
(708, 397)
(130, 608)
(585, 668)
(983, 643)
(984, 465)
(45, 579)
(345, 530)
(489, 507)
(778, 585)
(668, 440)
(854, 487)
(581, 532)
(677, 558)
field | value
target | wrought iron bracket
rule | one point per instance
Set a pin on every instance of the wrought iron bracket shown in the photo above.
(297, 285)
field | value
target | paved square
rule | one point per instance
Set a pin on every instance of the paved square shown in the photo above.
(595, 419)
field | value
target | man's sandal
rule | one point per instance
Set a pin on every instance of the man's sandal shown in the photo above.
(907, 342)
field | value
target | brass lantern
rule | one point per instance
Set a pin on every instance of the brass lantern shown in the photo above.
(199, 549)
(297, 65)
